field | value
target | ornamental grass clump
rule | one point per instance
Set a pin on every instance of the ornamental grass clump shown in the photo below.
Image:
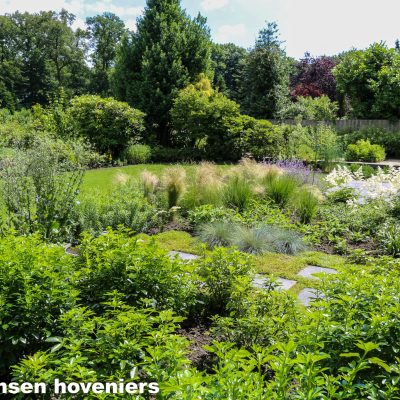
(252, 240)
(216, 234)
(281, 189)
(174, 183)
(150, 185)
(305, 204)
(206, 187)
(237, 192)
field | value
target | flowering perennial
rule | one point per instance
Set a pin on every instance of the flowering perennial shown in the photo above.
(384, 185)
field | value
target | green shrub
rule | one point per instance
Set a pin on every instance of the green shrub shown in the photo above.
(40, 189)
(209, 213)
(258, 138)
(222, 272)
(137, 154)
(255, 319)
(110, 347)
(281, 189)
(237, 193)
(389, 239)
(141, 272)
(308, 108)
(252, 240)
(363, 150)
(388, 139)
(106, 123)
(127, 207)
(35, 290)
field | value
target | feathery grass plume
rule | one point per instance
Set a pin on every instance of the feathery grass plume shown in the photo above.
(305, 204)
(216, 234)
(174, 183)
(208, 183)
(237, 192)
(120, 178)
(280, 189)
(253, 171)
(150, 185)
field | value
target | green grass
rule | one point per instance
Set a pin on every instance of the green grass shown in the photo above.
(104, 179)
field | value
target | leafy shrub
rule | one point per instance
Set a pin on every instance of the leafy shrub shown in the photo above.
(35, 291)
(363, 150)
(262, 318)
(257, 138)
(137, 154)
(309, 108)
(209, 213)
(140, 272)
(200, 120)
(221, 273)
(107, 123)
(40, 189)
(388, 139)
(389, 239)
(127, 207)
(237, 193)
(110, 348)
(281, 189)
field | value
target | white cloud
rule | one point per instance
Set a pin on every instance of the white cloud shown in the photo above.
(210, 5)
(231, 33)
(131, 24)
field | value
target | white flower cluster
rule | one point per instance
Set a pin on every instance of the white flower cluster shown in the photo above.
(384, 185)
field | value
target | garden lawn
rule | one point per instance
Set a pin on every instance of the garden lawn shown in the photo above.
(104, 179)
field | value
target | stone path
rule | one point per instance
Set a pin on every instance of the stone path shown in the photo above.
(306, 296)
(260, 281)
(183, 256)
(309, 271)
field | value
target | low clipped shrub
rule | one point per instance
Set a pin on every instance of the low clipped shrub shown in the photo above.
(137, 154)
(363, 150)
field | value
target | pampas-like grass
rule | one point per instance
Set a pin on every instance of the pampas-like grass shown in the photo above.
(174, 183)
(150, 185)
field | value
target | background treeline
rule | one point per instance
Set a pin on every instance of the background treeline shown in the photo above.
(192, 93)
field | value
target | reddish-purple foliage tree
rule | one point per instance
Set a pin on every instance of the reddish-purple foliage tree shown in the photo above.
(313, 77)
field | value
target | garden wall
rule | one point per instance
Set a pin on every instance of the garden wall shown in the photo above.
(353, 124)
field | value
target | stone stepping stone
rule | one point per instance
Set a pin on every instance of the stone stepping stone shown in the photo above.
(308, 295)
(308, 272)
(183, 256)
(260, 281)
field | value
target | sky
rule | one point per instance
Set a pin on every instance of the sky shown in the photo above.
(316, 26)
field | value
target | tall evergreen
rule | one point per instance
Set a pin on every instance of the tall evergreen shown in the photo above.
(168, 51)
(266, 75)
